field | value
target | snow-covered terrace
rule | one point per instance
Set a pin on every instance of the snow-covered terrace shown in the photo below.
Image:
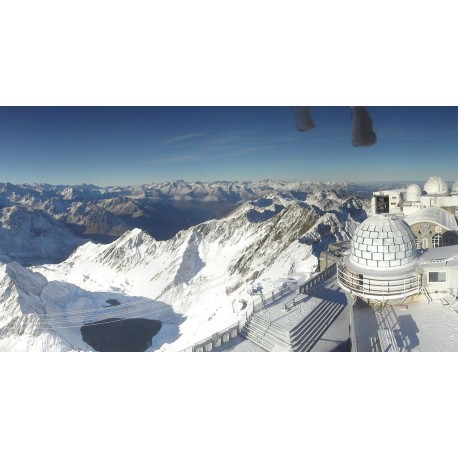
(417, 326)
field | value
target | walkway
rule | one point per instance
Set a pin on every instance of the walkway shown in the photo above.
(287, 316)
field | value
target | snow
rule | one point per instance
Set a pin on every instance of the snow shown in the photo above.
(435, 215)
(441, 256)
(417, 326)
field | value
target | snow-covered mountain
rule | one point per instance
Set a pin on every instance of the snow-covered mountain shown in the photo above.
(23, 324)
(203, 272)
(33, 237)
(161, 209)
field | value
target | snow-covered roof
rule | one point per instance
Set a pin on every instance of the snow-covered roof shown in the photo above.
(383, 241)
(436, 185)
(413, 193)
(440, 257)
(434, 215)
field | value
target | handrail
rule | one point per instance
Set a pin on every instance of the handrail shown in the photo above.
(377, 287)
(354, 346)
(252, 307)
(313, 281)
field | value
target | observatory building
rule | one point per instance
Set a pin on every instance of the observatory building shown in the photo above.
(385, 266)
(382, 263)
(431, 212)
(406, 201)
(408, 247)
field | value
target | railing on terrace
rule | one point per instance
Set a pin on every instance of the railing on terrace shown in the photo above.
(317, 278)
(218, 338)
(370, 287)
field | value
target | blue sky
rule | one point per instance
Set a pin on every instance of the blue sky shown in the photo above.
(134, 145)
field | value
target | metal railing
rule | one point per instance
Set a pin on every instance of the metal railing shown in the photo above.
(376, 288)
(320, 276)
(220, 337)
(352, 330)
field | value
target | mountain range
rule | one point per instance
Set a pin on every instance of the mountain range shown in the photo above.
(194, 282)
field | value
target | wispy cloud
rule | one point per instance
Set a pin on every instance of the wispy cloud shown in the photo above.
(183, 138)
(221, 145)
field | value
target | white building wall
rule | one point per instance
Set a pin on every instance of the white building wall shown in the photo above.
(451, 283)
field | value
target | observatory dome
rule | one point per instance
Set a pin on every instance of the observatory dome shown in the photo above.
(455, 188)
(383, 241)
(436, 185)
(413, 193)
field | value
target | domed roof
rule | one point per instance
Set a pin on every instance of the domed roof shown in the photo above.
(436, 185)
(455, 187)
(383, 241)
(413, 193)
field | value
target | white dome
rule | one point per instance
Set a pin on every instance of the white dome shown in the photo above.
(384, 242)
(413, 193)
(436, 185)
(455, 187)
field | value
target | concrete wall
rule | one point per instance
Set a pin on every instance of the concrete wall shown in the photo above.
(426, 230)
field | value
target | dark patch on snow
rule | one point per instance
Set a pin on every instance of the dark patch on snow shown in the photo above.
(113, 302)
(113, 334)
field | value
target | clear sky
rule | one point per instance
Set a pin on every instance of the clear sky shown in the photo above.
(134, 145)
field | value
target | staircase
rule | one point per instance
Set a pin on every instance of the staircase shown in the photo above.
(267, 335)
(307, 333)
(301, 338)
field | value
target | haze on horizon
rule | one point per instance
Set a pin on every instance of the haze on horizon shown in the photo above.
(138, 145)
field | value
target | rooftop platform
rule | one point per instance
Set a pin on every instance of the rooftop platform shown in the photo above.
(417, 326)
(447, 255)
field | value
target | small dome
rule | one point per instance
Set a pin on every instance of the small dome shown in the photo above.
(455, 187)
(383, 241)
(413, 193)
(436, 185)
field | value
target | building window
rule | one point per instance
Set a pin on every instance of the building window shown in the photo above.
(437, 277)
(417, 243)
(438, 240)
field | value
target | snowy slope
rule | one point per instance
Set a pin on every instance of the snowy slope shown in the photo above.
(37, 315)
(32, 237)
(204, 271)
(22, 324)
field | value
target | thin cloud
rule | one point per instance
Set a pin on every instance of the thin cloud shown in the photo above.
(183, 138)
